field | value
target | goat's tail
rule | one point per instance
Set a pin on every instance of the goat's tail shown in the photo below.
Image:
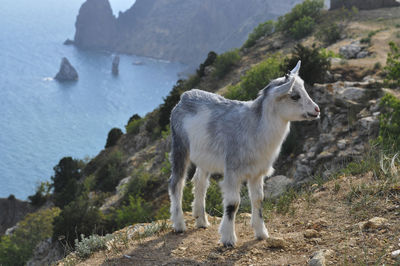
(179, 158)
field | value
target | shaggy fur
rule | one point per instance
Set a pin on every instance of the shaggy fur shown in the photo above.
(238, 139)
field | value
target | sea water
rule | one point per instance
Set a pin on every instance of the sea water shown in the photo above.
(42, 120)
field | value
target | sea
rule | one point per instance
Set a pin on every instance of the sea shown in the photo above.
(42, 120)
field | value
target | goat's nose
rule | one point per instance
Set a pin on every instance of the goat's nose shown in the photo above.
(317, 109)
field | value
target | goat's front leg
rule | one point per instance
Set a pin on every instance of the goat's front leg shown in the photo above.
(200, 181)
(231, 192)
(257, 195)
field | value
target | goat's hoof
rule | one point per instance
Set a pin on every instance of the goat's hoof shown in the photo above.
(262, 237)
(228, 244)
(202, 224)
(181, 228)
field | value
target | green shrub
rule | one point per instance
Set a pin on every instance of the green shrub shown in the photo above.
(77, 218)
(169, 103)
(65, 181)
(138, 185)
(214, 205)
(17, 248)
(211, 57)
(42, 194)
(392, 67)
(301, 19)
(303, 27)
(110, 173)
(225, 62)
(389, 132)
(137, 211)
(255, 79)
(329, 33)
(93, 243)
(314, 63)
(134, 126)
(113, 136)
(263, 29)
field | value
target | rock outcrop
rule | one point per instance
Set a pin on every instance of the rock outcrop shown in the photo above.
(95, 25)
(46, 253)
(115, 65)
(67, 72)
(12, 211)
(182, 30)
(363, 4)
(354, 50)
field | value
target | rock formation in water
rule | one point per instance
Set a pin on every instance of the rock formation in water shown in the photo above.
(115, 65)
(363, 4)
(67, 72)
(181, 30)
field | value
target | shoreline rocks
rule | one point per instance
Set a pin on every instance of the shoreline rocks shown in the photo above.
(67, 72)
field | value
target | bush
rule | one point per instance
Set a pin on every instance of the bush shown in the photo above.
(65, 181)
(17, 248)
(169, 103)
(225, 62)
(93, 243)
(263, 29)
(110, 173)
(302, 27)
(314, 63)
(77, 218)
(214, 205)
(113, 136)
(255, 79)
(389, 132)
(133, 126)
(392, 67)
(301, 19)
(137, 211)
(208, 62)
(42, 194)
(329, 33)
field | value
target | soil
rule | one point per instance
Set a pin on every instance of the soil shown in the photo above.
(319, 220)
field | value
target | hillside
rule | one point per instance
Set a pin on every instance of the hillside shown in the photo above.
(346, 220)
(332, 176)
(184, 30)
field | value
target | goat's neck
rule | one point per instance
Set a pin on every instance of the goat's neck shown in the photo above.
(273, 129)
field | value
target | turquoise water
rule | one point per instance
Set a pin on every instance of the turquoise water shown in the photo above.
(42, 120)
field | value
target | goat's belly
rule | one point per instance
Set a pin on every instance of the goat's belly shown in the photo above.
(208, 162)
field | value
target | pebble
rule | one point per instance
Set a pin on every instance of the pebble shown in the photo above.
(395, 253)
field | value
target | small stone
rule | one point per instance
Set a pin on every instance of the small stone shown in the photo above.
(341, 144)
(374, 223)
(317, 259)
(311, 233)
(395, 254)
(276, 242)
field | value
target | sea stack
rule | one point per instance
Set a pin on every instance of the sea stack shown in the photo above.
(67, 72)
(115, 64)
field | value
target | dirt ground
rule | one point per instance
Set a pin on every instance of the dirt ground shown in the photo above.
(320, 220)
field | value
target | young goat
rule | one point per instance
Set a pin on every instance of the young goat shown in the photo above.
(240, 140)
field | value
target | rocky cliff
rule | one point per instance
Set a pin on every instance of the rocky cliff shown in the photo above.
(180, 30)
(12, 211)
(363, 4)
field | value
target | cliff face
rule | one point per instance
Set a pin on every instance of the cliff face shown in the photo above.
(12, 211)
(179, 30)
(95, 25)
(363, 4)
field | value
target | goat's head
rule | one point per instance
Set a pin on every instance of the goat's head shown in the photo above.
(291, 100)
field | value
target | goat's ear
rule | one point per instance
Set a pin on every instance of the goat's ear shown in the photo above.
(296, 69)
(286, 88)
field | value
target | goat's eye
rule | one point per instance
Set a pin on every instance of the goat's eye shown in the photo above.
(295, 97)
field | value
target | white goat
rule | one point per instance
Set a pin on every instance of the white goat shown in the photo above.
(240, 140)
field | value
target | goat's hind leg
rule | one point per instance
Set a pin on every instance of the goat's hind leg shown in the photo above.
(201, 183)
(256, 192)
(179, 163)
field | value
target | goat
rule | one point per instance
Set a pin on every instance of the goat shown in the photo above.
(240, 139)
